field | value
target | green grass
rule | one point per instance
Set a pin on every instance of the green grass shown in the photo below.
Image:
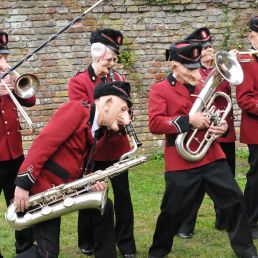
(147, 186)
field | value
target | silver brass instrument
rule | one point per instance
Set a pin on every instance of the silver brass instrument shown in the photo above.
(67, 198)
(226, 67)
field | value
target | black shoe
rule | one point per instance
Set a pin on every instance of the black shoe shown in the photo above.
(185, 235)
(87, 251)
(129, 255)
(255, 233)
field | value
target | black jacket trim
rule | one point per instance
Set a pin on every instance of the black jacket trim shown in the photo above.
(57, 170)
(182, 123)
(92, 74)
(25, 181)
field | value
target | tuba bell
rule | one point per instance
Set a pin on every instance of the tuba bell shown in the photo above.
(226, 68)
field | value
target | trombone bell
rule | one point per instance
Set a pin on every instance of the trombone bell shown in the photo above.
(26, 85)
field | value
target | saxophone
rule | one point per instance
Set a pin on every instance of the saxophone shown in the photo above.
(67, 198)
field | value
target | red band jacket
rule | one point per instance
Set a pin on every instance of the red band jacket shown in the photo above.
(169, 105)
(81, 87)
(10, 136)
(221, 104)
(247, 98)
(57, 155)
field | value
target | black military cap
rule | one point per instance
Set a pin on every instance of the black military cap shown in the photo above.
(3, 43)
(186, 53)
(253, 23)
(117, 88)
(202, 36)
(113, 39)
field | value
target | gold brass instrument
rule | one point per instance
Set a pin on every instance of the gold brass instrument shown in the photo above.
(26, 85)
(226, 68)
(250, 52)
(67, 198)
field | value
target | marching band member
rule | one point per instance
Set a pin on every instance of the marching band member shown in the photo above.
(11, 151)
(105, 45)
(58, 154)
(247, 98)
(169, 104)
(227, 143)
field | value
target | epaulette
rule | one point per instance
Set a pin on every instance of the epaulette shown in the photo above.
(160, 77)
(80, 72)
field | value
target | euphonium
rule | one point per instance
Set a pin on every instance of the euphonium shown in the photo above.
(226, 67)
(67, 198)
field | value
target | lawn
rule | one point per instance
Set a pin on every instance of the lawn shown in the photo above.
(147, 186)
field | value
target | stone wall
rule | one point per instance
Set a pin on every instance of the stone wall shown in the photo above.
(149, 29)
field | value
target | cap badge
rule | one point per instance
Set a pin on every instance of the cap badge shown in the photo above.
(204, 34)
(195, 53)
(4, 40)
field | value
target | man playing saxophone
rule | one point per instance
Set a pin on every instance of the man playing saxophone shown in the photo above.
(169, 105)
(58, 154)
(11, 151)
(105, 44)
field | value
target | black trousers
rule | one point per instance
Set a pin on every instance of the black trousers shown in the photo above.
(124, 218)
(188, 224)
(181, 190)
(251, 188)
(47, 236)
(8, 172)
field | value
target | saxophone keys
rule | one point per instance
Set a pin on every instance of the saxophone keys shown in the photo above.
(46, 210)
(68, 202)
(27, 217)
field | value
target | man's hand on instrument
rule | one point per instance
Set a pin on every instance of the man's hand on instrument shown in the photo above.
(199, 121)
(21, 199)
(99, 186)
(8, 81)
(219, 130)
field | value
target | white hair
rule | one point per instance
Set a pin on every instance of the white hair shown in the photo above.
(98, 50)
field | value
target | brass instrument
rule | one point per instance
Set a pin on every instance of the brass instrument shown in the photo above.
(226, 67)
(67, 198)
(26, 85)
(251, 52)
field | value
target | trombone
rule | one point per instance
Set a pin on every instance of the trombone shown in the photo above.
(26, 85)
(250, 52)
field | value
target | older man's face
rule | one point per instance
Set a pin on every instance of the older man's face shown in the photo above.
(116, 113)
(107, 62)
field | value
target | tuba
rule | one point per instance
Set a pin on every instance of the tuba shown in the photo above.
(226, 68)
(67, 198)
